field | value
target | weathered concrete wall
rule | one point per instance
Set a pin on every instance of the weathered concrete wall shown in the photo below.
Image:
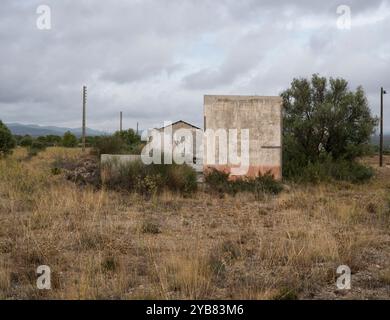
(262, 116)
(183, 125)
(118, 160)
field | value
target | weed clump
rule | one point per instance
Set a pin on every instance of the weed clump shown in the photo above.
(150, 226)
(55, 171)
(329, 170)
(149, 180)
(326, 170)
(259, 185)
(35, 148)
(125, 142)
(110, 264)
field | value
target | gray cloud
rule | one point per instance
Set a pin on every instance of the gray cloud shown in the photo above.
(154, 59)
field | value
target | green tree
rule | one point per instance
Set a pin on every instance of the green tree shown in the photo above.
(324, 119)
(26, 141)
(110, 145)
(132, 141)
(7, 141)
(42, 139)
(53, 140)
(129, 137)
(90, 140)
(17, 138)
(69, 140)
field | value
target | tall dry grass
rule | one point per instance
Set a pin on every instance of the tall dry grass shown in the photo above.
(105, 244)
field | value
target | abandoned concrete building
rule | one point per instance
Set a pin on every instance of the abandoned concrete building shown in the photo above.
(259, 117)
(262, 116)
(178, 125)
(176, 138)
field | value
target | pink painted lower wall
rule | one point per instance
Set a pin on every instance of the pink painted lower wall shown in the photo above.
(253, 171)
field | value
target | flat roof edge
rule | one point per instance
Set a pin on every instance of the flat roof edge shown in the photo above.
(238, 97)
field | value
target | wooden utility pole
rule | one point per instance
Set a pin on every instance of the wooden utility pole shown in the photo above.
(120, 121)
(381, 131)
(84, 107)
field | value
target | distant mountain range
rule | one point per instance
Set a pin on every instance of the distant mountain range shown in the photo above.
(36, 130)
(386, 140)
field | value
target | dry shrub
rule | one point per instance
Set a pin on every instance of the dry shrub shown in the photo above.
(5, 280)
(385, 276)
(185, 277)
(151, 226)
(149, 180)
(220, 181)
(221, 256)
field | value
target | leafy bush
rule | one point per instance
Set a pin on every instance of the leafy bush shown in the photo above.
(350, 171)
(26, 141)
(149, 185)
(181, 178)
(219, 181)
(38, 145)
(136, 148)
(35, 147)
(328, 170)
(125, 142)
(149, 179)
(53, 140)
(265, 184)
(7, 141)
(69, 140)
(129, 137)
(109, 145)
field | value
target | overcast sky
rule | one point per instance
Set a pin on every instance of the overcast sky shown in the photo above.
(154, 60)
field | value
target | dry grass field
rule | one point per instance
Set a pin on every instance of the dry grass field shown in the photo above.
(103, 244)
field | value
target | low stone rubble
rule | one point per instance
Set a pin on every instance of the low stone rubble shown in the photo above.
(84, 171)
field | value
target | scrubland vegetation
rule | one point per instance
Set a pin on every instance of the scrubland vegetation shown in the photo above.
(122, 142)
(149, 180)
(105, 243)
(140, 231)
